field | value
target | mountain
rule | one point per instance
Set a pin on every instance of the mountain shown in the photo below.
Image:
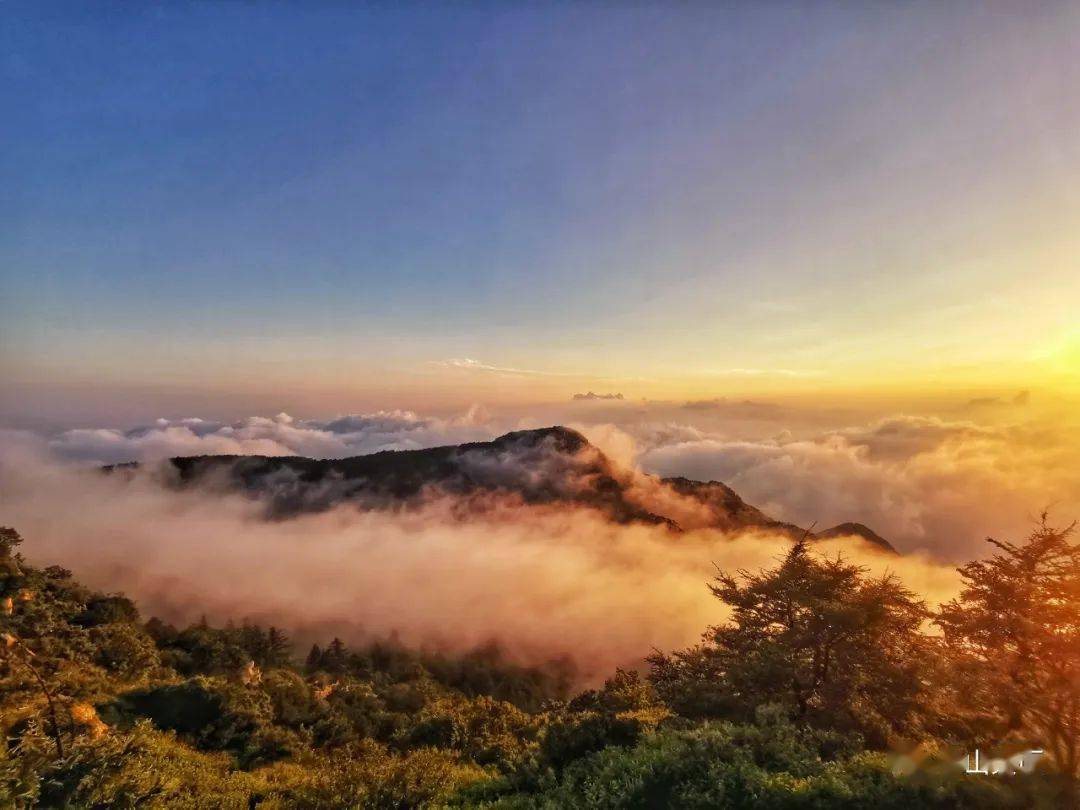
(544, 466)
(855, 530)
(551, 465)
(730, 512)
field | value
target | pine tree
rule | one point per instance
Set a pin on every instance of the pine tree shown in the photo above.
(277, 648)
(1015, 629)
(314, 660)
(255, 642)
(831, 645)
(335, 657)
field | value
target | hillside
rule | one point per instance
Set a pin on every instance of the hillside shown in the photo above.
(543, 466)
(101, 707)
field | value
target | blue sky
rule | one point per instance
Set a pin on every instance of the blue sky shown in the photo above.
(225, 195)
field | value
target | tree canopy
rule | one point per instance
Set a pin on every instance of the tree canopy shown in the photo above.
(800, 698)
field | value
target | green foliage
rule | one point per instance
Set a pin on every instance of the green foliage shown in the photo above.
(775, 709)
(1016, 627)
(204, 650)
(625, 691)
(572, 737)
(483, 671)
(292, 700)
(619, 714)
(736, 766)
(211, 715)
(488, 731)
(113, 609)
(835, 647)
(367, 776)
(124, 649)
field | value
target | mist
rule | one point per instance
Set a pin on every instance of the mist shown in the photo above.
(923, 482)
(542, 582)
(936, 481)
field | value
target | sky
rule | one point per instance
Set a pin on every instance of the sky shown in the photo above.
(219, 209)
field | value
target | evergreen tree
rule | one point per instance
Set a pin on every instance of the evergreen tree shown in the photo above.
(314, 660)
(833, 646)
(335, 657)
(255, 642)
(277, 648)
(1015, 629)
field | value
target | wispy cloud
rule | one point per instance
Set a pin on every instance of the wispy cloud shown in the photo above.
(282, 435)
(468, 364)
(766, 372)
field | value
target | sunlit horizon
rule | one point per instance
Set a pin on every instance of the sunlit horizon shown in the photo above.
(512, 205)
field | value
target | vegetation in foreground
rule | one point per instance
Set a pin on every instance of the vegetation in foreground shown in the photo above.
(804, 699)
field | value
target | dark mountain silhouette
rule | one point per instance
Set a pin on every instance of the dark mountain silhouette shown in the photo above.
(855, 530)
(545, 466)
(731, 512)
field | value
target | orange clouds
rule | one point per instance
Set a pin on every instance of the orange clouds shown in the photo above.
(543, 582)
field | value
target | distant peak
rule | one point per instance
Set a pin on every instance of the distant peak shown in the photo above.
(856, 530)
(560, 438)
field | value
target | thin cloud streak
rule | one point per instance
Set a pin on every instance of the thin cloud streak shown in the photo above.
(766, 372)
(468, 364)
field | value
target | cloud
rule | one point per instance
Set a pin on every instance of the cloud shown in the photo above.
(281, 435)
(468, 364)
(541, 581)
(591, 396)
(471, 365)
(901, 437)
(614, 442)
(921, 482)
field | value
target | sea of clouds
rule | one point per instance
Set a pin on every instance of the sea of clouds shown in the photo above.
(924, 482)
(543, 582)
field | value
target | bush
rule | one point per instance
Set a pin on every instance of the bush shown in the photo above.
(213, 715)
(488, 731)
(367, 775)
(139, 768)
(124, 650)
(725, 766)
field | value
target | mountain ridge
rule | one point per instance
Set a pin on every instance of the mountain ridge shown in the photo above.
(541, 466)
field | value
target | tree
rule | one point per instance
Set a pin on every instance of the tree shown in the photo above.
(833, 646)
(314, 659)
(12, 582)
(1016, 628)
(335, 657)
(11, 576)
(277, 648)
(253, 641)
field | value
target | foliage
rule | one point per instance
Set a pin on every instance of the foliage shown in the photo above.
(488, 731)
(736, 766)
(790, 704)
(835, 647)
(1016, 629)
